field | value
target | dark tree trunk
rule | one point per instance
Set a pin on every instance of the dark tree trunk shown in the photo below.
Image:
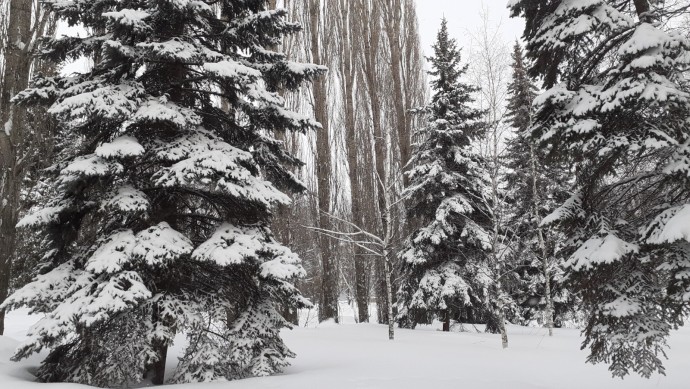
(15, 79)
(329, 275)
(159, 365)
(392, 23)
(356, 147)
(282, 226)
(160, 347)
(446, 320)
(641, 6)
(369, 18)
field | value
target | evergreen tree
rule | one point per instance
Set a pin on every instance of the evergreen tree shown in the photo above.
(617, 109)
(445, 261)
(534, 191)
(159, 222)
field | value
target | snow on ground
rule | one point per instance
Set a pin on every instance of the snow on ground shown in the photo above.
(351, 356)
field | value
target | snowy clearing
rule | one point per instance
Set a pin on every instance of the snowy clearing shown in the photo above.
(360, 356)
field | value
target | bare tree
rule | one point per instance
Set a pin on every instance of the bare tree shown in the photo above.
(490, 71)
(23, 22)
(362, 105)
(320, 52)
(392, 24)
(380, 247)
(402, 79)
(357, 139)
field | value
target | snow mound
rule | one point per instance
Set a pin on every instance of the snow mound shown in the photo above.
(599, 250)
(670, 226)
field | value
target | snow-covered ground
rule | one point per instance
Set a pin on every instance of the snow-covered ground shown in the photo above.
(360, 356)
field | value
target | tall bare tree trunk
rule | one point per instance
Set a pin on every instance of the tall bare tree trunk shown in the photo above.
(392, 25)
(391, 16)
(14, 79)
(329, 279)
(348, 39)
(369, 19)
(413, 73)
(282, 224)
(489, 66)
(349, 36)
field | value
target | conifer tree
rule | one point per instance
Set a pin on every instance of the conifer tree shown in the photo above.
(445, 261)
(534, 190)
(616, 108)
(159, 222)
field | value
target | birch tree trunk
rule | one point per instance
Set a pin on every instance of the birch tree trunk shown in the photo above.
(387, 260)
(397, 139)
(389, 290)
(490, 69)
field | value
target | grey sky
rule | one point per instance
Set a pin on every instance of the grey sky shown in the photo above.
(464, 20)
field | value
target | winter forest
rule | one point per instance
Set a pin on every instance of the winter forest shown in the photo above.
(307, 194)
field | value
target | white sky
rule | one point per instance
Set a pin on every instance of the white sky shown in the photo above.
(464, 20)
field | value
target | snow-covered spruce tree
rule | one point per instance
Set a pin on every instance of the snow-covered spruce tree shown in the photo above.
(445, 261)
(617, 109)
(162, 207)
(534, 192)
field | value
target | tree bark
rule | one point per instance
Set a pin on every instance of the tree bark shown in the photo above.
(641, 6)
(282, 226)
(392, 23)
(502, 326)
(369, 22)
(15, 79)
(329, 278)
(388, 271)
(389, 292)
(347, 41)
(392, 17)
(159, 366)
